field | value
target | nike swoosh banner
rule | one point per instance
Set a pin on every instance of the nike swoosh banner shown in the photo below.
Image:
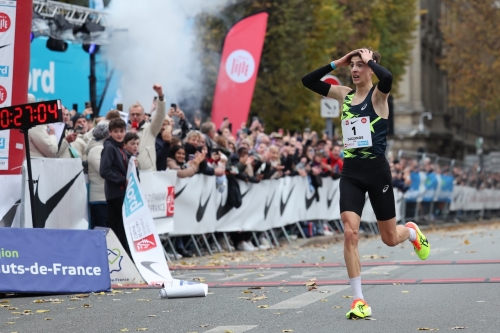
(53, 261)
(238, 70)
(60, 194)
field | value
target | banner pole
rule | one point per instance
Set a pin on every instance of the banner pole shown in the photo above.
(207, 244)
(227, 242)
(196, 245)
(30, 178)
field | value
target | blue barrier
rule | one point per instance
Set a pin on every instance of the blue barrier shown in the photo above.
(53, 261)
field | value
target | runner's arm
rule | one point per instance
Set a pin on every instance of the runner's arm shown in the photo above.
(313, 81)
(384, 76)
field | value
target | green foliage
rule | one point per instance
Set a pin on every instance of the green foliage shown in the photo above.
(302, 36)
(472, 57)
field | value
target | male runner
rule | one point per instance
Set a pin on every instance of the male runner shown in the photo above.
(364, 128)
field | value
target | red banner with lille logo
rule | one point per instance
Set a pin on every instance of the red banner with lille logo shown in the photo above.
(238, 70)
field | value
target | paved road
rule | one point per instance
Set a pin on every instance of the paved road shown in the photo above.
(459, 286)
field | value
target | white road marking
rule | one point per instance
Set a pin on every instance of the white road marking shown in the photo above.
(310, 297)
(234, 329)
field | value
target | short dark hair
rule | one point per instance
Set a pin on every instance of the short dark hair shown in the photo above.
(117, 123)
(130, 136)
(376, 55)
(112, 114)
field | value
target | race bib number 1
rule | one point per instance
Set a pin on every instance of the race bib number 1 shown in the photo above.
(357, 133)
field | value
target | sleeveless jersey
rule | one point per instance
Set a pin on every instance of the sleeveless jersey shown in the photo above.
(378, 126)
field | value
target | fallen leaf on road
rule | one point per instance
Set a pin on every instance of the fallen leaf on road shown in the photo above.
(39, 301)
(12, 308)
(244, 297)
(322, 258)
(481, 301)
(337, 307)
(75, 299)
(263, 306)
(10, 323)
(4, 301)
(70, 308)
(210, 293)
(205, 325)
(345, 296)
(4, 305)
(246, 292)
(427, 329)
(285, 291)
(42, 311)
(124, 330)
(141, 329)
(324, 291)
(87, 295)
(200, 279)
(405, 292)
(395, 284)
(459, 328)
(258, 298)
(260, 275)
(324, 300)
(47, 318)
(144, 300)
(255, 288)
(228, 331)
(87, 306)
(471, 251)
(151, 316)
(312, 288)
(135, 289)
(15, 313)
(313, 280)
(244, 279)
(370, 318)
(277, 313)
(308, 284)
(286, 330)
(466, 242)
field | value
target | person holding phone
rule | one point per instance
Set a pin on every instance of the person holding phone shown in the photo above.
(147, 131)
(80, 126)
(364, 127)
(184, 124)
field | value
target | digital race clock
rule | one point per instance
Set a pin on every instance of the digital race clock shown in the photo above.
(30, 115)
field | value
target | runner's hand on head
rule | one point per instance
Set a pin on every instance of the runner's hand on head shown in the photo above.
(366, 55)
(345, 60)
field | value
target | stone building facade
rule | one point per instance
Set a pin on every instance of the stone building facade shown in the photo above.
(451, 132)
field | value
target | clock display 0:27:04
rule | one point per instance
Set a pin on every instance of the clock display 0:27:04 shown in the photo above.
(29, 115)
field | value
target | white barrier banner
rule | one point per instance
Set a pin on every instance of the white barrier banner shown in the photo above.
(145, 245)
(469, 198)
(10, 199)
(200, 208)
(60, 194)
(159, 192)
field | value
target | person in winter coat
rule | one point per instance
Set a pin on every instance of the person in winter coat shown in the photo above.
(97, 199)
(113, 168)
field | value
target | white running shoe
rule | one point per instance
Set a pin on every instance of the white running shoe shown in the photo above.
(264, 243)
(246, 246)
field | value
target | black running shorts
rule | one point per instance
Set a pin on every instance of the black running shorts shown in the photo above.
(373, 176)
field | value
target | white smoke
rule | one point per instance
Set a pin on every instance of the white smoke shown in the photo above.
(156, 44)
